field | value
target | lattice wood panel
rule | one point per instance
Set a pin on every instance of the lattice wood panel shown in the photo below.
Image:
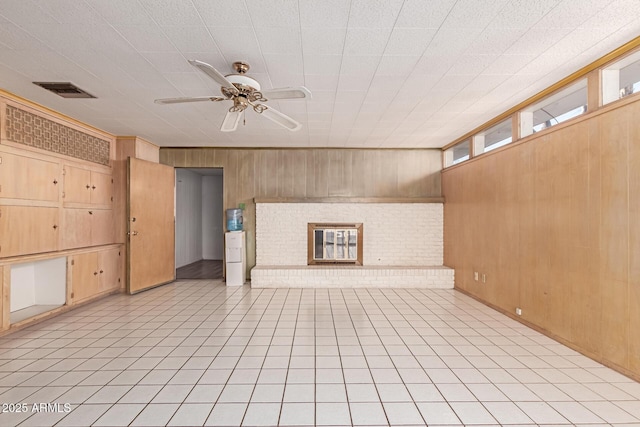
(30, 129)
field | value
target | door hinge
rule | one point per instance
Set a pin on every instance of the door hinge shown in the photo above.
(64, 194)
(0, 188)
(73, 262)
(72, 295)
(112, 198)
(64, 171)
(0, 160)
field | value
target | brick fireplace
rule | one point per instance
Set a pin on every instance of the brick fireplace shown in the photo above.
(401, 247)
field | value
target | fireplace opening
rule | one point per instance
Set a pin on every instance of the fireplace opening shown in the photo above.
(329, 243)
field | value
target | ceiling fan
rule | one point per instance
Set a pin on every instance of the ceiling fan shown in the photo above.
(245, 92)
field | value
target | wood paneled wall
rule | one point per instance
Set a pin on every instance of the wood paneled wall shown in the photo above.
(250, 173)
(554, 223)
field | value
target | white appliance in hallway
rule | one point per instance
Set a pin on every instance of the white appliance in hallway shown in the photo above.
(235, 257)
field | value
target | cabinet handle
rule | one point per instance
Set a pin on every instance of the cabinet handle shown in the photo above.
(55, 181)
(90, 212)
(55, 226)
(93, 187)
(101, 271)
(95, 273)
(88, 186)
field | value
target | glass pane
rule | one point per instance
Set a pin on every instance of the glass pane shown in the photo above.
(328, 235)
(630, 79)
(352, 244)
(340, 242)
(566, 105)
(317, 247)
(497, 136)
(460, 152)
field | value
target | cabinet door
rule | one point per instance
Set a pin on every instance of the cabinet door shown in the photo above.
(110, 269)
(102, 227)
(28, 230)
(27, 178)
(77, 185)
(101, 188)
(85, 281)
(76, 228)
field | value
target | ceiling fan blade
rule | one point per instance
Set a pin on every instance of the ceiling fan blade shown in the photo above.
(213, 73)
(286, 93)
(189, 99)
(281, 119)
(230, 122)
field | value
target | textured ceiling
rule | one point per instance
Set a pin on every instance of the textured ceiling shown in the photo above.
(383, 73)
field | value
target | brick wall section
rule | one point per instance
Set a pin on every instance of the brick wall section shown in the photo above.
(352, 277)
(395, 234)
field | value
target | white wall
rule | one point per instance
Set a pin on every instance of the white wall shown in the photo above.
(212, 217)
(395, 234)
(188, 217)
(38, 283)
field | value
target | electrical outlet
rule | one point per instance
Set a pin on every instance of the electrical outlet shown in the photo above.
(518, 311)
(475, 276)
(484, 278)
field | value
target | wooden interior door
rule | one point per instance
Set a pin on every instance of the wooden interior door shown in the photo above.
(151, 225)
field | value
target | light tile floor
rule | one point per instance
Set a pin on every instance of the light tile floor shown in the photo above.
(198, 353)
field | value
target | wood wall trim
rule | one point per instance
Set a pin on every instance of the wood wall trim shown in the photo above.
(57, 254)
(348, 200)
(224, 147)
(545, 132)
(581, 73)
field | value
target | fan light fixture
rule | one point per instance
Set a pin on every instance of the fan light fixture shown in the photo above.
(245, 92)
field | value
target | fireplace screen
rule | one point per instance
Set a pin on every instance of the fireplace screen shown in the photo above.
(335, 243)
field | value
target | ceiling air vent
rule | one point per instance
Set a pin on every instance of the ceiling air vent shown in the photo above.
(64, 89)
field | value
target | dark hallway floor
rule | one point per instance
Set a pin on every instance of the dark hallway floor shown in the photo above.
(203, 269)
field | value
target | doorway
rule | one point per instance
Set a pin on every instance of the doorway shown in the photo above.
(199, 223)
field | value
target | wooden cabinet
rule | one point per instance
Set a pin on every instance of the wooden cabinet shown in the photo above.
(93, 273)
(86, 227)
(77, 185)
(102, 227)
(24, 177)
(84, 276)
(28, 230)
(56, 207)
(77, 225)
(101, 188)
(86, 186)
(110, 269)
(87, 215)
